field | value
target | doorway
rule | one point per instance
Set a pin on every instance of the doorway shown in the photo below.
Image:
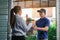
(30, 7)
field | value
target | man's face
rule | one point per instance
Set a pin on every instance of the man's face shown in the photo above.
(42, 14)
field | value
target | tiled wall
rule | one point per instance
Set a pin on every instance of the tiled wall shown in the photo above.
(3, 19)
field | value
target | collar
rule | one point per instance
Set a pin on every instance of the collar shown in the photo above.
(43, 18)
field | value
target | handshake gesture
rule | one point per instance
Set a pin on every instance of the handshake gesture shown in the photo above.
(29, 20)
(34, 26)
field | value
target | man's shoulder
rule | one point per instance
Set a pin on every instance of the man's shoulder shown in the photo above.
(46, 19)
(37, 20)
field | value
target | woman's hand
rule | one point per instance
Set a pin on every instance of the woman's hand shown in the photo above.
(35, 27)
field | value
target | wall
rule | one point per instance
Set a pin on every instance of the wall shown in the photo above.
(3, 19)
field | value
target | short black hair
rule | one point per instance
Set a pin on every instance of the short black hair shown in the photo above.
(42, 10)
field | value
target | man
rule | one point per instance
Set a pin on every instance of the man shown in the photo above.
(42, 25)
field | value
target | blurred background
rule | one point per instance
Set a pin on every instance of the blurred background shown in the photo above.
(29, 7)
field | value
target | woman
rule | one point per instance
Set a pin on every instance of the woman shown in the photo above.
(18, 25)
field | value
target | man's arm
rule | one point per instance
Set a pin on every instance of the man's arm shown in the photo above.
(42, 29)
(47, 24)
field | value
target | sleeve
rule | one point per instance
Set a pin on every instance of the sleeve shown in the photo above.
(47, 23)
(25, 26)
(29, 26)
(36, 23)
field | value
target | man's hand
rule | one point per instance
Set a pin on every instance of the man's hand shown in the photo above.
(41, 29)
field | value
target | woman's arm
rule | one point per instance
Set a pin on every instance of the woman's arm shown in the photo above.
(25, 26)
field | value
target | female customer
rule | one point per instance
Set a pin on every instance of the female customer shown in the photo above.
(18, 25)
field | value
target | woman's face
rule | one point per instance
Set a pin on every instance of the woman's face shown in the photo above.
(20, 12)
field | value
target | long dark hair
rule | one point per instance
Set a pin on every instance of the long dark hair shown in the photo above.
(12, 16)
